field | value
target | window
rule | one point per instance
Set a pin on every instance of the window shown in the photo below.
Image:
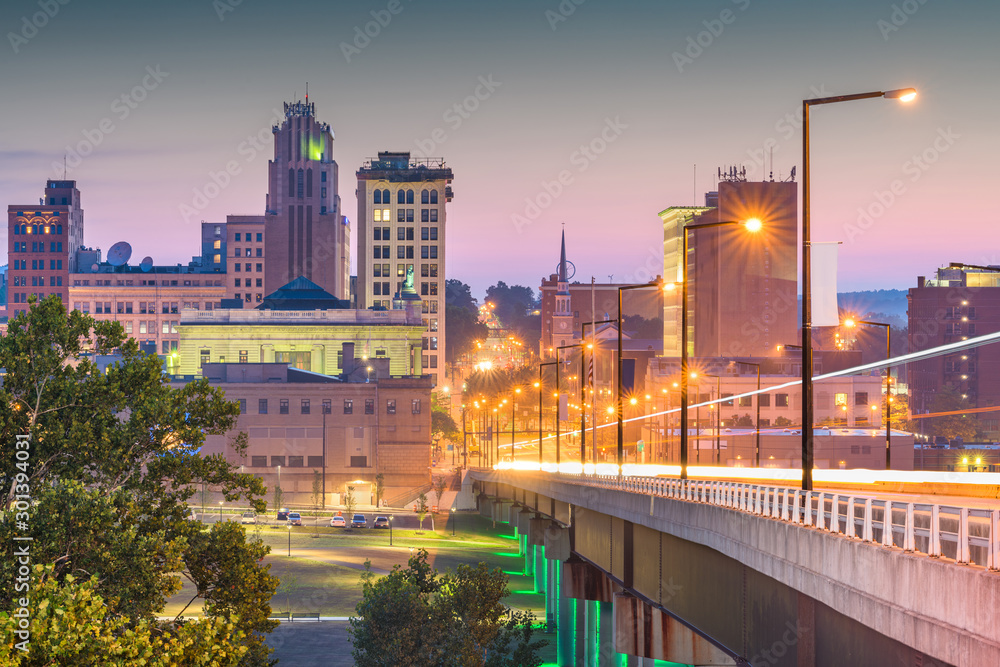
(434, 196)
(237, 237)
(390, 406)
(434, 215)
(424, 197)
(840, 399)
(243, 406)
(262, 406)
(295, 462)
(781, 400)
(415, 406)
(277, 461)
(327, 406)
(283, 406)
(377, 195)
(305, 406)
(315, 461)
(258, 461)
(243, 356)
(377, 215)
(746, 401)
(764, 401)
(260, 235)
(861, 398)
(369, 406)
(348, 406)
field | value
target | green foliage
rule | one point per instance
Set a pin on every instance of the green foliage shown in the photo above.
(379, 488)
(317, 488)
(783, 421)
(439, 485)
(513, 305)
(949, 399)
(414, 616)
(459, 294)
(350, 502)
(113, 461)
(72, 625)
(422, 509)
(640, 327)
(744, 421)
(502, 382)
(443, 426)
(464, 329)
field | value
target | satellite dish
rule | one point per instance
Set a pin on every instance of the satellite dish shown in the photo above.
(146, 264)
(119, 253)
(94, 268)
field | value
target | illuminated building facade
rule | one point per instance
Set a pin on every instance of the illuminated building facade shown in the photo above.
(41, 245)
(742, 288)
(402, 216)
(306, 234)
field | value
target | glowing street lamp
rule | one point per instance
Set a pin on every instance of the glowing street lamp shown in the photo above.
(904, 95)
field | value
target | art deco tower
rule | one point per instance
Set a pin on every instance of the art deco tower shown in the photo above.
(305, 232)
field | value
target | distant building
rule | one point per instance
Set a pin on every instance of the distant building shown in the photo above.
(305, 232)
(245, 269)
(344, 429)
(303, 326)
(42, 240)
(961, 302)
(742, 286)
(402, 223)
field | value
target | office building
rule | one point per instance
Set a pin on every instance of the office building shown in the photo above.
(42, 240)
(742, 285)
(305, 233)
(960, 302)
(401, 221)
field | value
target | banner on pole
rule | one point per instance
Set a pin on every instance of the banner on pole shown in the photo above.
(825, 312)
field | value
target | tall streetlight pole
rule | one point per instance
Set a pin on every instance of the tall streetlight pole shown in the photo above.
(540, 385)
(583, 395)
(888, 381)
(583, 420)
(757, 420)
(513, 411)
(618, 398)
(905, 95)
(751, 225)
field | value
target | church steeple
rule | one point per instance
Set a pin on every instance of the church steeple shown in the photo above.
(562, 316)
(562, 258)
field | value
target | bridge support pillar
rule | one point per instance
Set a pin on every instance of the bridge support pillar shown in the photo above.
(650, 633)
(607, 655)
(567, 621)
(551, 594)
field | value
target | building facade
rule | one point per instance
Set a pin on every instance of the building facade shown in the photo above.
(402, 224)
(306, 234)
(959, 303)
(42, 240)
(245, 270)
(301, 427)
(742, 286)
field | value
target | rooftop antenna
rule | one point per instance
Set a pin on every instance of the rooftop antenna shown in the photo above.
(694, 187)
(772, 164)
(307, 92)
(64, 166)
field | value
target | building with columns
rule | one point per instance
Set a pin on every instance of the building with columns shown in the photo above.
(402, 223)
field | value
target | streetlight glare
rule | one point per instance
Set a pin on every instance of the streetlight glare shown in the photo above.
(669, 287)
(901, 94)
(753, 225)
(849, 322)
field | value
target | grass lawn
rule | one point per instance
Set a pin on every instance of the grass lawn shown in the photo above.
(323, 574)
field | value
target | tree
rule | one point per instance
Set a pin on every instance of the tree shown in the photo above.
(416, 616)
(783, 421)
(745, 421)
(279, 497)
(350, 502)
(422, 508)
(948, 399)
(458, 294)
(379, 488)
(513, 305)
(318, 489)
(443, 426)
(113, 458)
(464, 329)
(71, 625)
(439, 485)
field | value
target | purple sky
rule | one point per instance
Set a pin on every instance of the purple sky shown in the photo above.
(621, 77)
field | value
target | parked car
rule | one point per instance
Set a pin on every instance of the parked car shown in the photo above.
(359, 521)
(338, 522)
(294, 519)
(249, 517)
(191, 514)
(282, 514)
(381, 522)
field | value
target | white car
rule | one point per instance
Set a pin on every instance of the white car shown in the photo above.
(249, 517)
(338, 522)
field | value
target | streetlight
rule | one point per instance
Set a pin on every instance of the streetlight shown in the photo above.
(513, 411)
(752, 225)
(757, 420)
(619, 324)
(904, 95)
(583, 394)
(289, 539)
(539, 385)
(391, 517)
(453, 519)
(888, 379)
(220, 511)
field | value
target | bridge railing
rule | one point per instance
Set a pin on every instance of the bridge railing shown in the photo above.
(961, 534)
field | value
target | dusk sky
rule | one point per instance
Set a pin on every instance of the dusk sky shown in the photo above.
(629, 79)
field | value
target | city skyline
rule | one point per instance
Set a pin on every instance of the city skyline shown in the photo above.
(654, 90)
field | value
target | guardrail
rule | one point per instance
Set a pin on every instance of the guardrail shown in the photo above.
(962, 534)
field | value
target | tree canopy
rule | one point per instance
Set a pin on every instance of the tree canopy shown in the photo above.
(112, 459)
(949, 399)
(415, 616)
(464, 329)
(513, 305)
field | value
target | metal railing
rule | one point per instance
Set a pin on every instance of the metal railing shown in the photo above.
(962, 534)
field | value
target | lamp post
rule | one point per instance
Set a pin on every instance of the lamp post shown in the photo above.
(539, 385)
(751, 225)
(391, 517)
(905, 95)
(756, 457)
(618, 398)
(453, 519)
(583, 395)
(513, 416)
(220, 511)
(583, 419)
(888, 381)
(289, 539)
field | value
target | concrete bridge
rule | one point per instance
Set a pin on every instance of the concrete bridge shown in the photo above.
(642, 570)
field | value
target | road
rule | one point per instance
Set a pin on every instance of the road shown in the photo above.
(402, 519)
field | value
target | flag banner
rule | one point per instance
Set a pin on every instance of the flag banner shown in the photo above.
(824, 284)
